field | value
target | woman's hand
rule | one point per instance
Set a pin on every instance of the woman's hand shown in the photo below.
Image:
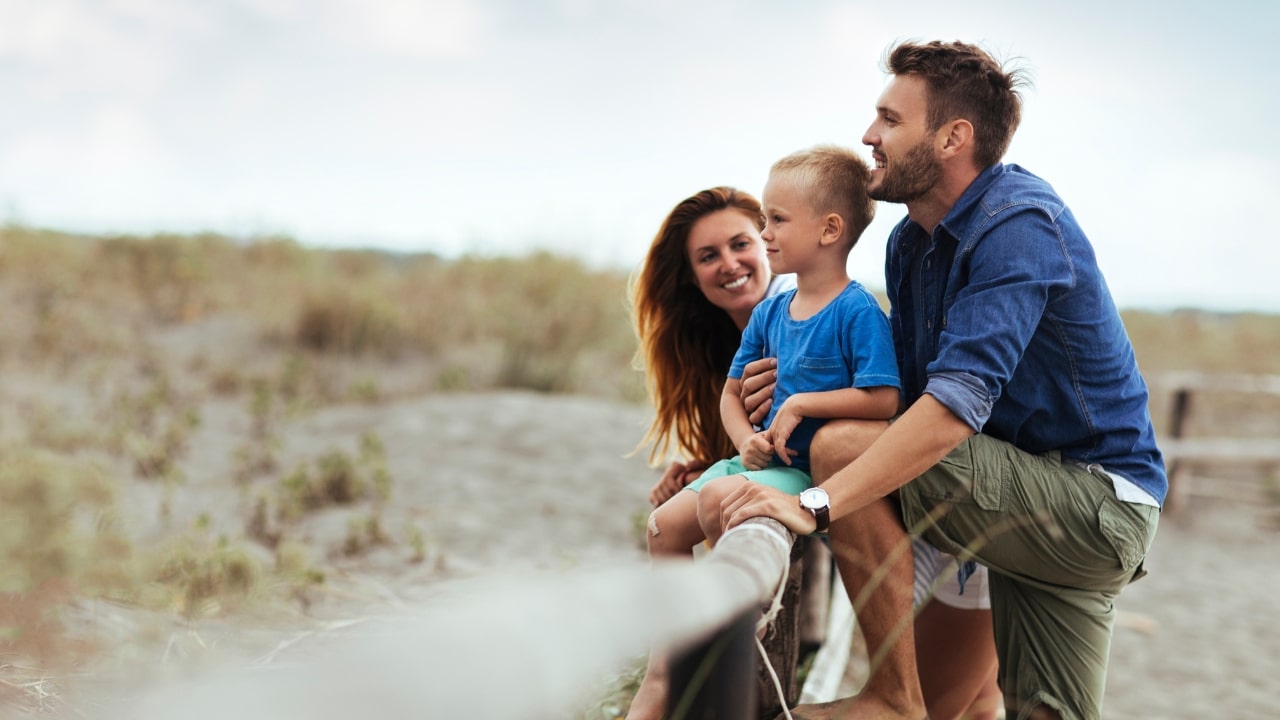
(758, 379)
(677, 476)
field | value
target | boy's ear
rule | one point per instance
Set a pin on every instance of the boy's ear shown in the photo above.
(832, 229)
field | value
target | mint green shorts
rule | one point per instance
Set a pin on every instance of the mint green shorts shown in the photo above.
(787, 479)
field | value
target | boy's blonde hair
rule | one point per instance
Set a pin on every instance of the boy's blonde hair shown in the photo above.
(834, 180)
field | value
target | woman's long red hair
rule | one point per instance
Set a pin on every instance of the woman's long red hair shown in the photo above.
(686, 343)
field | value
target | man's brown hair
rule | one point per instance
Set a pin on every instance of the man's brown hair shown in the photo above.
(965, 82)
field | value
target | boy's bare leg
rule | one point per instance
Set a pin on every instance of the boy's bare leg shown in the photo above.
(673, 532)
(873, 554)
(710, 498)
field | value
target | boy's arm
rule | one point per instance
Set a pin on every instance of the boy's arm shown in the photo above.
(754, 447)
(873, 403)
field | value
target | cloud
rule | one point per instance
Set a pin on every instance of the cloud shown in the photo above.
(578, 124)
(434, 29)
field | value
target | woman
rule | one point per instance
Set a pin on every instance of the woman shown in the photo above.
(705, 272)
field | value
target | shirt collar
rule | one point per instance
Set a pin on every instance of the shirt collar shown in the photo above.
(960, 214)
(970, 200)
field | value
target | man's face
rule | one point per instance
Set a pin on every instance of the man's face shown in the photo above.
(901, 143)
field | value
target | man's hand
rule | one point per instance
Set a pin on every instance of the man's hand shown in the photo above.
(758, 379)
(677, 476)
(756, 500)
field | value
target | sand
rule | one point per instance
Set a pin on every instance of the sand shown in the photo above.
(503, 484)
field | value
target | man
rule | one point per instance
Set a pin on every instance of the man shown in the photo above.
(1026, 443)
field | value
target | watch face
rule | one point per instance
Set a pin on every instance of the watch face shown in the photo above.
(814, 498)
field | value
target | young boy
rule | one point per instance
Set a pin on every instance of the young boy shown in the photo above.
(835, 358)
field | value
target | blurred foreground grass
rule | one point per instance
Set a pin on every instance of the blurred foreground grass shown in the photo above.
(112, 350)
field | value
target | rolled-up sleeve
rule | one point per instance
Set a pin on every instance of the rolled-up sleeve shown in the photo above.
(964, 395)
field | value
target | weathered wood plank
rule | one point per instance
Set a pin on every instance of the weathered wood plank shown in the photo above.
(1221, 382)
(542, 639)
(1222, 449)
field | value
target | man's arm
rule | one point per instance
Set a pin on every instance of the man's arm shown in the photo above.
(915, 442)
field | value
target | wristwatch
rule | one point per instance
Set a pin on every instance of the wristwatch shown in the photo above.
(816, 501)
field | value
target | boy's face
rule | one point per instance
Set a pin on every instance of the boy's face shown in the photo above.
(792, 229)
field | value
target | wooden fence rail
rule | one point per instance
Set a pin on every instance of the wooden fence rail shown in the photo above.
(511, 647)
(1186, 390)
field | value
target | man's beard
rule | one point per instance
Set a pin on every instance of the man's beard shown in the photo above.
(911, 177)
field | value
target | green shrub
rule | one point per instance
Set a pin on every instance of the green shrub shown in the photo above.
(350, 322)
(336, 478)
(206, 577)
(57, 522)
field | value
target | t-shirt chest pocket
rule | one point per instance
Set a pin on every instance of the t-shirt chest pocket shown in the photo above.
(822, 373)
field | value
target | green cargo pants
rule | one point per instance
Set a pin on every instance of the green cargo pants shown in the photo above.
(1060, 547)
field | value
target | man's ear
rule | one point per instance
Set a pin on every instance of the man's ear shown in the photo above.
(955, 137)
(832, 229)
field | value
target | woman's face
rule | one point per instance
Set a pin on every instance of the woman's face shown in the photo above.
(728, 261)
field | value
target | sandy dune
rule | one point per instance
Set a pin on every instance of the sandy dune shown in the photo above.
(508, 483)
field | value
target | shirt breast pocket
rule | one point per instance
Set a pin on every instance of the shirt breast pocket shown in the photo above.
(822, 373)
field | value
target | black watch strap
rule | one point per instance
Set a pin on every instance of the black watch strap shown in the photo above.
(823, 516)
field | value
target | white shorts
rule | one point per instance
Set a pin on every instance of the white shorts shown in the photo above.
(936, 577)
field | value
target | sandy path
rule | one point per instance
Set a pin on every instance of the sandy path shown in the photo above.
(510, 481)
(550, 489)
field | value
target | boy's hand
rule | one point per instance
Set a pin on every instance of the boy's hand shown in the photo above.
(784, 423)
(758, 379)
(757, 451)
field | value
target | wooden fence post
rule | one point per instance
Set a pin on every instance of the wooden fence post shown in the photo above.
(715, 679)
(707, 681)
(1177, 430)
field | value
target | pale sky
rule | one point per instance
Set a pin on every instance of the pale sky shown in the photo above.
(500, 126)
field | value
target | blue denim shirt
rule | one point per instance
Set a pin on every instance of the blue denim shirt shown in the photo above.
(1004, 317)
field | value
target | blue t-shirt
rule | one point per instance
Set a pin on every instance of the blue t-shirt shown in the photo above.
(846, 344)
